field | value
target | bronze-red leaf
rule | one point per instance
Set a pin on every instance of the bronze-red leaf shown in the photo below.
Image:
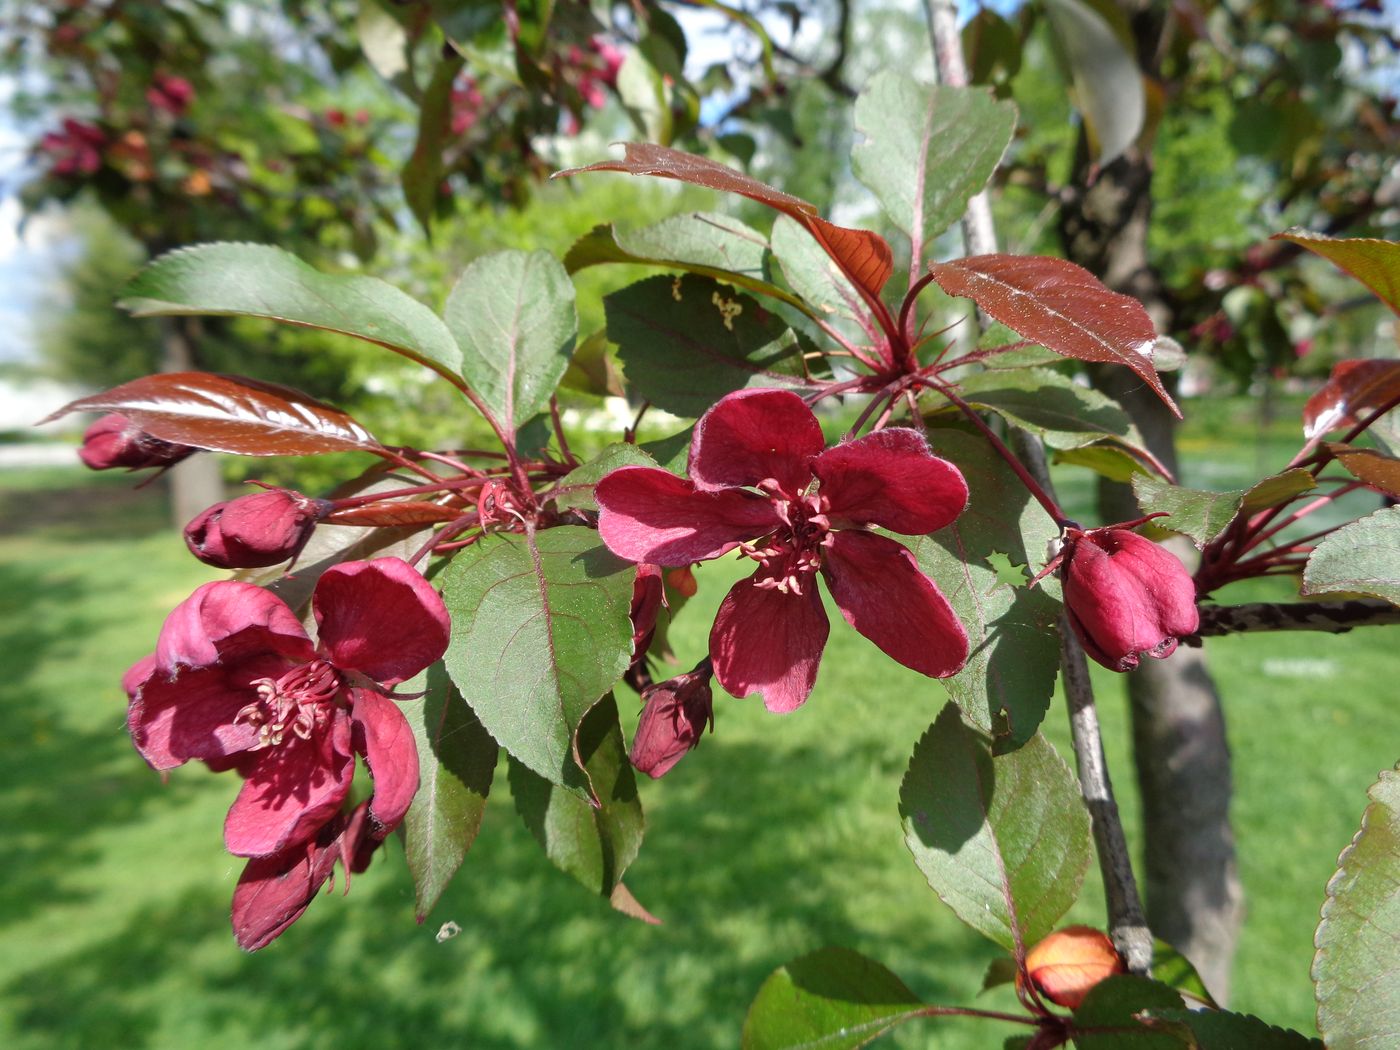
(862, 255)
(1354, 389)
(395, 512)
(1060, 306)
(223, 413)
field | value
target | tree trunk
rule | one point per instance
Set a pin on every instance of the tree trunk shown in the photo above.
(194, 483)
(1194, 898)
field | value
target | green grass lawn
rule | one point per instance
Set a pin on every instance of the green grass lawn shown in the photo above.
(778, 836)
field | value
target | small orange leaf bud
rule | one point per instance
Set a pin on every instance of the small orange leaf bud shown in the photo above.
(1069, 962)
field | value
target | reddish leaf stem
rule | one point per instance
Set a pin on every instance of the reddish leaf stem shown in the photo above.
(569, 457)
(1032, 486)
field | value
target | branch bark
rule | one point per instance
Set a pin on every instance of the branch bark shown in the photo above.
(1329, 617)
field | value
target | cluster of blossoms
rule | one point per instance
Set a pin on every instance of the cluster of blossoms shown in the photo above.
(236, 683)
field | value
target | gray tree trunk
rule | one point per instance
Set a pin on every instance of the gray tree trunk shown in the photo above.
(195, 483)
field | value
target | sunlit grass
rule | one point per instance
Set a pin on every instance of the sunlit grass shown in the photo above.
(779, 835)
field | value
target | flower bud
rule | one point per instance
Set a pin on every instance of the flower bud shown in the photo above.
(1126, 596)
(252, 531)
(1068, 963)
(115, 441)
(673, 719)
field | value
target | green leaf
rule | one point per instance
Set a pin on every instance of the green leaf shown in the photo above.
(1003, 840)
(422, 174)
(643, 94)
(592, 370)
(1354, 972)
(456, 761)
(832, 999)
(1000, 971)
(1107, 81)
(256, 280)
(1006, 687)
(706, 243)
(1360, 558)
(813, 274)
(1202, 515)
(687, 341)
(1223, 1030)
(540, 631)
(1374, 263)
(1175, 970)
(671, 453)
(512, 313)
(1104, 460)
(928, 149)
(575, 489)
(1052, 406)
(383, 40)
(1108, 1019)
(594, 844)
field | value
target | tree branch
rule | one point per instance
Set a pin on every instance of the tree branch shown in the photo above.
(1126, 918)
(1329, 617)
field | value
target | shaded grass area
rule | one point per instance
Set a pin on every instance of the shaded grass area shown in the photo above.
(778, 836)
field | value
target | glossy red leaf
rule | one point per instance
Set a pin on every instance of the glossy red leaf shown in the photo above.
(863, 256)
(1060, 306)
(224, 413)
(1375, 263)
(1354, 389)
(395, 512)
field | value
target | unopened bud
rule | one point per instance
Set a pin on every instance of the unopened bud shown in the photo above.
(115, 441)
(1068, 963)
(673, 720)
(256, 530)
(1127, 597)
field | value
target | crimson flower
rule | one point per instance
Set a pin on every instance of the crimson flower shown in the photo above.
(754, 460)
(1127, 597)
(236, 683)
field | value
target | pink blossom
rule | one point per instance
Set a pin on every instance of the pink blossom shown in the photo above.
(115, 441)
(259, 529)
(1126, 596)
(753, 463)
(236, 683)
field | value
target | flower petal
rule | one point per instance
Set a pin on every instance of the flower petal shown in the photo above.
(382, 735)
(769, 642)
(380, 618)
(294, 791)
(274, 891)
(646, 514)
(226, 622)
(882, 593)
(173, 720)
(891, 479)
(753, 435)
